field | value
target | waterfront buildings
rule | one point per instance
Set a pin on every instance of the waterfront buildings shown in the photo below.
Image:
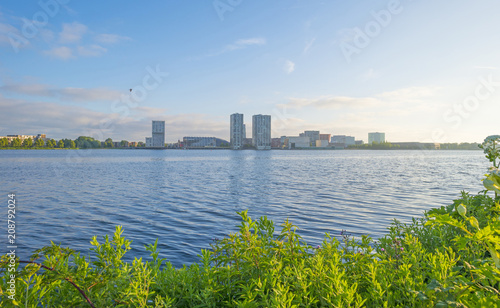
(293, 142)
(326, 137)
(149, 142)
(322, 143)
(376, 137)
(343, 141)
(261, 132)
(237, 131)
(158, 139)
(158, 135)
(312, 134)
(10, 138)
(204, 142)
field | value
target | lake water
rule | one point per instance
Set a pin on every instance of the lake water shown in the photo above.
(185, 198)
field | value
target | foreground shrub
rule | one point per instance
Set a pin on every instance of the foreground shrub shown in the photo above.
(448, 258)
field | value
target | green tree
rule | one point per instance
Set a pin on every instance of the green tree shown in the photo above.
(16, 143)
(60, 144)
(51, 143)
(27, 143)
(108, 143)
(124, 143)
(72, 144)
(4, 142)
(39, 143)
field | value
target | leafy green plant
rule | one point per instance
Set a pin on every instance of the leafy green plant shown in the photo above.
(450, 257)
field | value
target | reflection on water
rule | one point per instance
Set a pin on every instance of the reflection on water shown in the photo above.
(187, 198)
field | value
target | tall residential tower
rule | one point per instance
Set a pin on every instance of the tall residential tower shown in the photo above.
(261, 132)
(237, 131)
(158, 137)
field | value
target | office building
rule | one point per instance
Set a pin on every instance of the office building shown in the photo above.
(237, 131)
(376, 137)
(261, 132)
(158, 134)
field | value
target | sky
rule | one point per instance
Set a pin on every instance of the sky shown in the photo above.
(417, 70)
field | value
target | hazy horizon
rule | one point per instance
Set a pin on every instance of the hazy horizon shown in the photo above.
(419, 71)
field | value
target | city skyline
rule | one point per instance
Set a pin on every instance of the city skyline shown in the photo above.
(417, 72)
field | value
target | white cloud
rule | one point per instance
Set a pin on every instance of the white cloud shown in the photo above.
(65, 94)
(237, 45)
(72, 33)
(91, 51)
(289, 67)
(62, 52)
(111, 38)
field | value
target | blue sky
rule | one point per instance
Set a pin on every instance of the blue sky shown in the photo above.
(417, 70)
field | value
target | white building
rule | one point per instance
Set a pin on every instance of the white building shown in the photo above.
(343, 139)
(376, 137)
(158, 133)
(237, 131)
(312, 134)
(297, 142)
(261, 132)
(149, 142)
(322, 143)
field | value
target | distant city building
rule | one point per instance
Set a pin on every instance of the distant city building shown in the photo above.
(312, 134)
(376, 137)
(326, 137)
(261, 132)
(204, 142)
(158, 133)
(23, 137)
(149, 142)
(322, 143)
(247, 141)
(237, 131)
(359, 142)
(416, 145)
(339, 140)
(297, 142)
(276, 143)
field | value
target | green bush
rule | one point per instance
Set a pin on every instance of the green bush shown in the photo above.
(448, 258)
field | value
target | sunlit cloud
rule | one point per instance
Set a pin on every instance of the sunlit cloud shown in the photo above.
(91, 51)
(107, 38)
(289, 67)
(72, 33)
(62, 52)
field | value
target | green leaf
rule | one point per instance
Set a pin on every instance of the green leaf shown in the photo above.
(473, 221)
(462, 210)
(495, 255)
(492, 182)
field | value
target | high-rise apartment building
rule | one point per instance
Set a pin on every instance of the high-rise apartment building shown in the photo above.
(158, 134)
(261, 132)
(237, 131)
(376, 137)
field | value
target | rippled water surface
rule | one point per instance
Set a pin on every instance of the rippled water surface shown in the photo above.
(187, 198)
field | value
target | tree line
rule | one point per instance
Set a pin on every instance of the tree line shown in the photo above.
(81, 142)
(415, 146)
